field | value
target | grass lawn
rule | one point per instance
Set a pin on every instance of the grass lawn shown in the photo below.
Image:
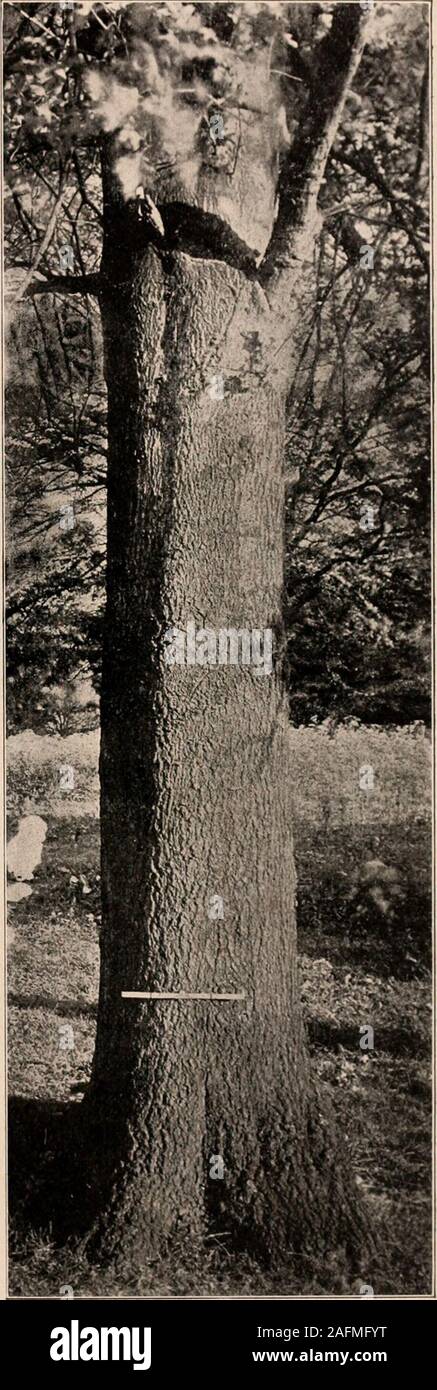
(351, 978)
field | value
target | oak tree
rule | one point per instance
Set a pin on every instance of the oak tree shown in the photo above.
(195, 138)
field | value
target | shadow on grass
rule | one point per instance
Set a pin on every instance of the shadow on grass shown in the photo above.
(52, 1185)
(52, 1209)
(67, 1008)
(327, 924)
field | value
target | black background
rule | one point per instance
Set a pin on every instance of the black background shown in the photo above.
(202, 1340)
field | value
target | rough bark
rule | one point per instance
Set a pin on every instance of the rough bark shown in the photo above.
(197, 785)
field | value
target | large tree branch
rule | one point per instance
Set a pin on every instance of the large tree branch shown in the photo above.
(59, 284)
(303, 170)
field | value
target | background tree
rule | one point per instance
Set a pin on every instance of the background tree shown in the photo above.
(359, 480)
(201, 788)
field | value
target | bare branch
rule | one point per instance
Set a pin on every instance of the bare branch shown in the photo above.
(423, 125)
(45, 243)
(362, 162)
(346, 234)
(83, 189)
(335, 560)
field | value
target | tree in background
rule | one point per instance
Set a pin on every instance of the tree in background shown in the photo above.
(358, 494)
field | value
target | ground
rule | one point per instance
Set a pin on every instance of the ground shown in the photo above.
(354, 974)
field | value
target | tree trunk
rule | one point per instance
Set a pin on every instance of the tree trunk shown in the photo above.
(197, 787)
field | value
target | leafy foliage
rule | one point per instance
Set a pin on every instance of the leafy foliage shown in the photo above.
(357, 482)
